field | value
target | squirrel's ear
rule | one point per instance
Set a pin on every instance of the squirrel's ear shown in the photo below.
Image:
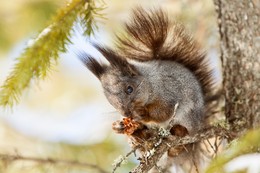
(116, 61)
(91, 63)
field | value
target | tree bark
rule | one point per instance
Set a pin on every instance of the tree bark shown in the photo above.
(239, 28)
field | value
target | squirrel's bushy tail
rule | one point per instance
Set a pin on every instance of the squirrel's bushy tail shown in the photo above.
(152, 36)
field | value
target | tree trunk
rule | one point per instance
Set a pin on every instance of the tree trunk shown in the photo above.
(239, 27)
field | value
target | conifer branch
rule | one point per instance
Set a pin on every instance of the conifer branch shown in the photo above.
(38, 57)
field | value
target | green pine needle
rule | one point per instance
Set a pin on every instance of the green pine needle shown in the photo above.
(36, 60)
(89, 15)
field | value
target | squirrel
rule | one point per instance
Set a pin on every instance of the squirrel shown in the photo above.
(155, 66)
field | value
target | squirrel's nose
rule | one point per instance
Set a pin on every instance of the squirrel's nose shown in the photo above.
(127, 113)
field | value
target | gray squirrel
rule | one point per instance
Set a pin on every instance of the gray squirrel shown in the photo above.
(155, 66)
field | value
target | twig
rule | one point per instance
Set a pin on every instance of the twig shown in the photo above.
(121, 160)
(158, 168)
(211, 146)
(171, 123)
(206, 152)
(194, 162)
(17, 157)
(216, 145)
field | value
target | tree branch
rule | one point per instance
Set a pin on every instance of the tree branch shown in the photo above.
(12, 158)
(173, 141)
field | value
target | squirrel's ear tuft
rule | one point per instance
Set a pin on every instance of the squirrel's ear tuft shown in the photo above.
(116, 61)
(111, 56)
(91, 63)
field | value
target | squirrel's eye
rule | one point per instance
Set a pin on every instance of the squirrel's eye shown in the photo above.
(129, 90)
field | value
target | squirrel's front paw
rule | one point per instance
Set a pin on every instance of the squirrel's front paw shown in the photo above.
(118, 126)
(126, 126)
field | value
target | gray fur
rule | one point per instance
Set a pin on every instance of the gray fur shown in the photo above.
(169, 81)
(176, 84)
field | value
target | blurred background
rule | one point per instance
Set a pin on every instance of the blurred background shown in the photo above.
(66, 116)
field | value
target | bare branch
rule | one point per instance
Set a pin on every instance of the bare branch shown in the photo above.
(17, 157)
